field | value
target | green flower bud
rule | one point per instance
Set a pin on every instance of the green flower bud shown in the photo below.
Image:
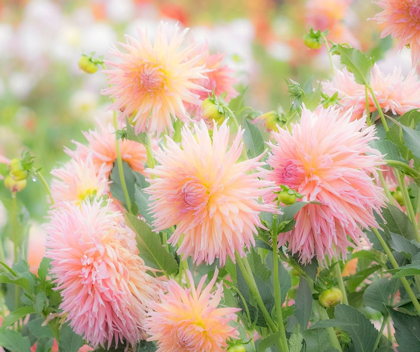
(237, 348)
(313, 40)
(213, 111)
(17, 170)
(398, 197)
(270, 119)
(14, 185)
(287, 197)
(87, 65)
(331, 297)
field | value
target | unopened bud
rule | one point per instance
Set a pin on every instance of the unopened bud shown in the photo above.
(270, 119)
(212, 110)
(287, 197)
(331, 297)
(17, 170)
(87, 65)
(398, 197)
(14, 185)
(237, 348)
(313, 40)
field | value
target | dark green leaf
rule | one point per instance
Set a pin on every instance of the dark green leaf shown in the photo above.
(407, 331)
(354, 281)
(116, 187)
(269, 341)
(380, 292)
(290, 211)
(44, 267)
(69, 340)
(253, 139)
(44, 345)
(408, 270)
(398, 222)
(22, 282)
(257, 266)
(14, 341)
(303, 304)
(295, 341)
(150, 247)
(142, 202)
(388, 149)
(13, 317)
(40, 301)
(317, 341)
(412, 140)
(145, 346)
(403, 245)
(39, 331)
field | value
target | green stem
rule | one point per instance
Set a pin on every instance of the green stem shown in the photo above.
(151, 163)
(384, 322)
(378, 107)
(368, 120)
(407, 202)
(249, 279)
(329, 53)
(14, 225)
(277, 289)
(331, 333)
(47, 188)
(396, 266)
(120, 166)
(385, 187)
(339, 277)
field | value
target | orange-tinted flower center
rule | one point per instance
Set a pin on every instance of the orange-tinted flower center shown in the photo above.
(414, 9)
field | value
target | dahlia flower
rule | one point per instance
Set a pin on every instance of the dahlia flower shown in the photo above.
(326, 157)
(77, 180)
(211, 198)
(102, 150)
(394, 93)
(188, 320)
(330, 14)
(402, 20)
(103, 282)
(155, 80)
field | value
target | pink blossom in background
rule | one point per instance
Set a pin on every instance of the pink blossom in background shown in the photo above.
(155, 79)
(189, 320)
(103, 282)
(395, 93)
(211, 197)
(327, 158)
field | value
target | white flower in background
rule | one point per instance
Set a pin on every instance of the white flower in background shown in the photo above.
(120, 10)
(21, 84)
(396, 58)
(6, 39)
(98, 37)
(83, 103)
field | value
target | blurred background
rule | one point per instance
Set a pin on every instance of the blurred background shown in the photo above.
(46, 101)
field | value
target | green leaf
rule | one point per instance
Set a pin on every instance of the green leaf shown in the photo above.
(363, 334)
(22, 282)
(303, 304)
(40, 301)
(311, 99)
(145, 346)
(332, 323)
(412, 140)
(317, 340)
(150, 246)
(398, 222)
(296, 340)
(39, 331)
(284, 277)
(380, 293)
(384, 44)
(13, 317)
(408, 270)
(407, 331)
(44, 344)
(403, 245)
(269, 341)
(356, 62)
(290, 211)
(44, 267)
(14, 341)
(116, 187)
(257, 266)
(69, 340)
(132, 136)
(253, 139)
(142, 202)
(388, 149)
(354, 281)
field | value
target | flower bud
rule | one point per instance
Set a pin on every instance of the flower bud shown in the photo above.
(14, 185)
(212, 110)
(237, 348)
(287, 197)
(398, 197)
(331, 297)
(87, 65)
(313, 40)
(270, 119)
(17, 170)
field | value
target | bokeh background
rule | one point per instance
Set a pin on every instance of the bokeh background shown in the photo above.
(46, 101)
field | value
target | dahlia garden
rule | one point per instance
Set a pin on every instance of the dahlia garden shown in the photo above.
(249, 184)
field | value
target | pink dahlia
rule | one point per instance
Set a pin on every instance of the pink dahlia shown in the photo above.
(189, 320)
(402, 20)
(394, 92)
(103, 282)
(211, 198)
(327, 158)
(77, 180)
(153, 82)
(101, 149)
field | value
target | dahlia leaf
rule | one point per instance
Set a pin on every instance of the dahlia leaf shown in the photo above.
(296, 340)
(354, 281)
(317, 340)
(14, 341)
(408, 270)
(407, 331)
(69, 340)
(150, 246)
(253, 139)
(269, 341)
(116, 187)
(355, 61)
(400, 244)
(142, 202)
(303, 304)
(39, 331)
(388, 149)
(19, 313)
(412, 140)
(398, 222)
(380, 294)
